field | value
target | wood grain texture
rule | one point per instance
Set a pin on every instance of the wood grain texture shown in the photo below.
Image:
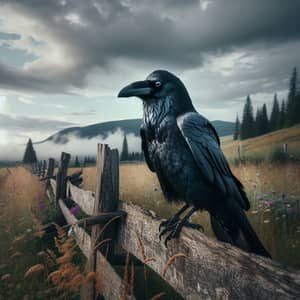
(85, 199)
(211, 269)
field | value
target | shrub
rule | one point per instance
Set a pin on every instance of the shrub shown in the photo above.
(277, 155)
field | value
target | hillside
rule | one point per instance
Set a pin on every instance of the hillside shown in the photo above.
(127, 126)
(263, 145)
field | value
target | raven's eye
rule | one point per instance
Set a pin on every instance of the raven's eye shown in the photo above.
(158, 84)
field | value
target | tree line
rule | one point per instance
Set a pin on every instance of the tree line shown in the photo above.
(284, 114)
(30, 156)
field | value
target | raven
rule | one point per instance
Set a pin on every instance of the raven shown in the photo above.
(183, 148)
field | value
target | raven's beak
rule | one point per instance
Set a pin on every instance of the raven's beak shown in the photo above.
(138, 89)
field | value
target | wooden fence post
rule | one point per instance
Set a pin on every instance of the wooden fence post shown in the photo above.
(285, 148)
(107, 192)
(39, 168)
(106, 200)
(61, 182)
(50, 169)
(44, 168)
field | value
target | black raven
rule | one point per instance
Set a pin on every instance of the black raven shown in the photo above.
(183, 148)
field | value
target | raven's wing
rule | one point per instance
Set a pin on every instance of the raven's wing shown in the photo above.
(204, 144)
(145, 149)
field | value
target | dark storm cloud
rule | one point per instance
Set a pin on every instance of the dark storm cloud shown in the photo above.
(13, 78)
(23, 123)
(174, 34)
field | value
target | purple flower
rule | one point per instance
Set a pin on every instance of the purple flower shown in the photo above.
(75, 210)
(291, 210)
(42, 206)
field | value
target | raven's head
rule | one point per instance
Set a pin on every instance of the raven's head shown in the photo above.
(160, 86)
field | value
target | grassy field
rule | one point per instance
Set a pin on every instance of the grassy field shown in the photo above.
(28, 255)
(262, 147)
(18, 246)
(273, 189)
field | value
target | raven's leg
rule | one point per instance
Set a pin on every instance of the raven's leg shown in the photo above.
(173, 219)
(178, 226)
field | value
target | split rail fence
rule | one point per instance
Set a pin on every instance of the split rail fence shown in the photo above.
(208, 270)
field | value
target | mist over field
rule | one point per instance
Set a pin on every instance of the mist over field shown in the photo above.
(74, 146)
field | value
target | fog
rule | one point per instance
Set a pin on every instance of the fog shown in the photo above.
(75, 146)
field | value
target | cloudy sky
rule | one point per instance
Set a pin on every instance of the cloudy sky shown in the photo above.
(62, 62)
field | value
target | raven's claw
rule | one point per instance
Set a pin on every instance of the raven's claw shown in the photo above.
(167, 223)
(175, 228)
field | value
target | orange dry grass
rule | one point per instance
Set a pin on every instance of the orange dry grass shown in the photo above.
(170, 262)
(67, 277)
(18, 189)
(34, 269)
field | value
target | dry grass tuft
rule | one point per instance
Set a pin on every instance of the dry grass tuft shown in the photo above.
(141, 246)
(33, 270)
(170, 262)
(19, 238)
(158, 296)
(91, 276)
(101, 243)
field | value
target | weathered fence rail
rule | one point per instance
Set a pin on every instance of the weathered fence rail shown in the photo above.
(208, 270)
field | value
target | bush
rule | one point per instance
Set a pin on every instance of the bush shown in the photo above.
(277, 155)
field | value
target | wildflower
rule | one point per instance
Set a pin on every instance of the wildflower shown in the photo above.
(291, 211)
(42, 206)
(75, 210)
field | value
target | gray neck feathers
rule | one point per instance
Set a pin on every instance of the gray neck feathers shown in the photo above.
(155, 110)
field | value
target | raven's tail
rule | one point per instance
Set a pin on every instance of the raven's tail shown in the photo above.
(232, 226)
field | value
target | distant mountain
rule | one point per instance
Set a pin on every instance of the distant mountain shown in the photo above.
(127, 126)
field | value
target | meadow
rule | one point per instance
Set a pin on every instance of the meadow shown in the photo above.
(272, 185)
(273, 189)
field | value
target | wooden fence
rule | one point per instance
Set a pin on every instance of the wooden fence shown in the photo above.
(208, 270)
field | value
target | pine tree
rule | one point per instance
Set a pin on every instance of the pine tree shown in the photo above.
(76, 163)
(258, 123)
(29, 154)
(264, 120)
(275, 115)
(282, 115)
(124, 153)
(297, 104)
(291, 113)
(237, 128)
(247, 126)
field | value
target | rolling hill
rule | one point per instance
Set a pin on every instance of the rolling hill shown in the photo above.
(264, 145)
(127, 126)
